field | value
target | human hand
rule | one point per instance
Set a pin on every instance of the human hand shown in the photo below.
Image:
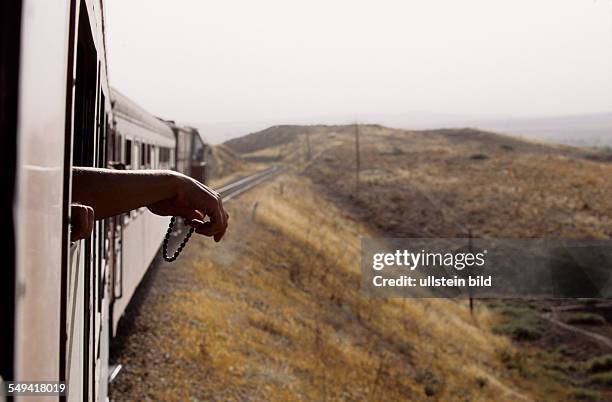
(198, 204)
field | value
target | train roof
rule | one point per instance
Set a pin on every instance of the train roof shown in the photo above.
(135, 115)
(202, 138)
(188, 129)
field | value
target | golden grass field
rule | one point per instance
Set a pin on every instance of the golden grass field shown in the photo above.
(274, 311)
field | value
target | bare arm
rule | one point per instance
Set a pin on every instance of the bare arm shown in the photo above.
(112, 192)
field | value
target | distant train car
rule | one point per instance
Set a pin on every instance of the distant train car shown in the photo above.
(61, 300)
(192, 151)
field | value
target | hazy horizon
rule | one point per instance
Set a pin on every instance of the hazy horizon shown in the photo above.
(233, 68)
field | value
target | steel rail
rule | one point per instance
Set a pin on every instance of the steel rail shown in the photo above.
(238, 187)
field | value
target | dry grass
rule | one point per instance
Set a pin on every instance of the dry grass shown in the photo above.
(275, 313)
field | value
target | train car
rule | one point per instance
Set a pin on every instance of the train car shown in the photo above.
(146, 143)
(62, 300)
(192, 151)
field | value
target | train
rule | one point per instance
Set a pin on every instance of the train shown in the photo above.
(62, 301)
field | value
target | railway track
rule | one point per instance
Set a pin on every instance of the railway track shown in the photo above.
(238, 187)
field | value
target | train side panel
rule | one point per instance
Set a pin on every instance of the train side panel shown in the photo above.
(87, 278)
(40, 180)
(75, 333)
(142, 237)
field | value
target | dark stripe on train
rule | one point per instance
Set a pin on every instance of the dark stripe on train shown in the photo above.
(10, 41)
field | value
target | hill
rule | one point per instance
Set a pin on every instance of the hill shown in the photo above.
(492, 184)
(225, 165)
(225, 162)
(275, 136)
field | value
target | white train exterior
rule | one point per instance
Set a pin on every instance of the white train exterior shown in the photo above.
(62, 301)
(146, 143)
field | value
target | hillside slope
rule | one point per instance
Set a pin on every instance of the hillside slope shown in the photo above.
(448, 182)
(226, 166)
(490, 184)
(224, 161)
(270, 137)
(274, 313)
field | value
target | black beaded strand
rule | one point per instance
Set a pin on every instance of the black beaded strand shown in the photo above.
(167, 238)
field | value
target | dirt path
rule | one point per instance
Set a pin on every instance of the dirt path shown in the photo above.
(552, 318)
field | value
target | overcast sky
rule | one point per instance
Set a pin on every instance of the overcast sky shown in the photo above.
(215, 63)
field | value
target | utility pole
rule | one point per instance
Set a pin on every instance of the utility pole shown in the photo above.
(308, 150)
(357, 159)
(470, 292)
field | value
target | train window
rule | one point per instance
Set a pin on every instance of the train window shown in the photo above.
(143, 155)
(102, 134)
(84, 121)
(86, 118)
(128, 152)
(164, 155)
(149, 161)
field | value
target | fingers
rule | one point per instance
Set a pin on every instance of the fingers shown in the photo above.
(213, 206)
(81, 221)
(223, 217)
(189, 214)
(209, 228)
(194, 201)
(203, 228)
